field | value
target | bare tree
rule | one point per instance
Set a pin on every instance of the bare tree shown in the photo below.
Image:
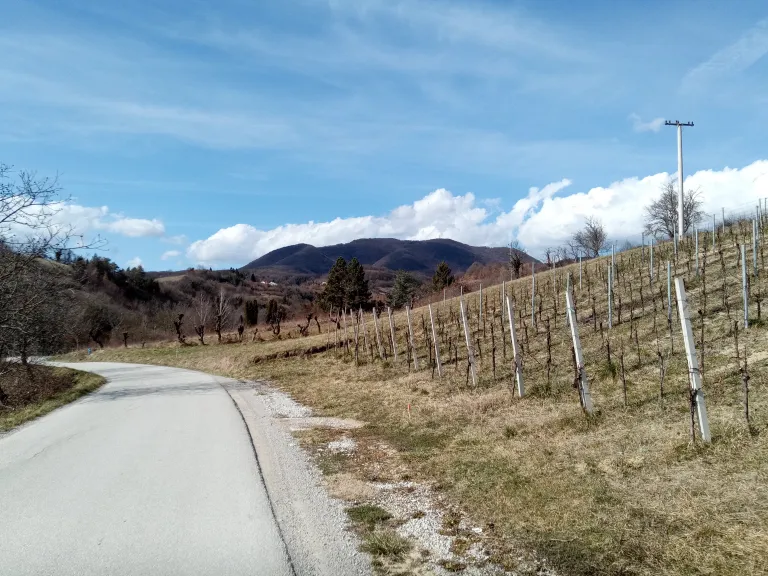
(592, 239)
(202, 307)
(661, 215)
(223, 311)
(34, 299)
(515, 258)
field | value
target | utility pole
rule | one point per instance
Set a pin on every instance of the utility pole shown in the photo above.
(679, 171)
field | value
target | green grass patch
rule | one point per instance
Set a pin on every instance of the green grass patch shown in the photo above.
(368, 514)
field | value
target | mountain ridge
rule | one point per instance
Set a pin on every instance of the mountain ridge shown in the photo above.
(417, 256)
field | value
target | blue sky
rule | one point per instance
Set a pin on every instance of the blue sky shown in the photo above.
(213, 132)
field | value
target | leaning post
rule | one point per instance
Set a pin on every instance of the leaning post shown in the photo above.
(693, 366)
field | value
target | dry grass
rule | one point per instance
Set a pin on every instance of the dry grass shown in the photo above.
(40, 390)
(622, 492)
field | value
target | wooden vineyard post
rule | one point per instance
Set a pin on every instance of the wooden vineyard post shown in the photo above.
(434, 339)
(346, 338)
(410, 336)
(392, 333)
(365, 331)
(693, 366)
(468, 338)
(378, 333)
(580, 267)
(518, 357)
(713, 233)
(586, 397)
(744, 285)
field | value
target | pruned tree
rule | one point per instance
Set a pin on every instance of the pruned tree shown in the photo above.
(358, 293)
(592, 238)
(515, 258)
(202, 308)
(403, 290)
(661, 215)
(276, 314)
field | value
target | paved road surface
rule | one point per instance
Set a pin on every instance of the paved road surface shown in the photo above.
(154, 474)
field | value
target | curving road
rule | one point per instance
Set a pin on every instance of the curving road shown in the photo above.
(154, 473)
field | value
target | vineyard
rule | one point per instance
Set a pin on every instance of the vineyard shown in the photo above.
(623, 484)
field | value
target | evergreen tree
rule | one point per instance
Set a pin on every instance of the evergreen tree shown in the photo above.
(335, 292)
(358, 293)
(443, 277)
(252, 312)
(403, 290)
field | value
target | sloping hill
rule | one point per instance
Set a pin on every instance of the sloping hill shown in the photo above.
(420, 256)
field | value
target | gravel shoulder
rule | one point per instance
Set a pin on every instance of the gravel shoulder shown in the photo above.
(313, 525)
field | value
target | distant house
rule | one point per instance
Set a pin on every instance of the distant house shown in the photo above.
(263, 282)
(273, 283)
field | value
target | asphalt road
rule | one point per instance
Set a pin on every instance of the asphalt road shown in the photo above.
(155, 473)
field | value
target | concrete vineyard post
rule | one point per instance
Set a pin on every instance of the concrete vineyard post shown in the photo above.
(696, 234)
(610, 296)
(755, 234)
(468, 338)
(713, 232)
(392, 333)
(693, 363)
(480, 312)
(580, 269)
(586, 397)
(669, 291)
(533, 295)
(434, 339)
(376, 329)
(651, 258)
(744, 285)
(518, 357)
(410, 336)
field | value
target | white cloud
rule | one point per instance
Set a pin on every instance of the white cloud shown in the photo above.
(133, 262)
(639, 126)
(86, 219)
(178, 239)
(135, 227)
(735, 58)
(544, 217)
(167, 255)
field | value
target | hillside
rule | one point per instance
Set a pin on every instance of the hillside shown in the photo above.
(418, 256)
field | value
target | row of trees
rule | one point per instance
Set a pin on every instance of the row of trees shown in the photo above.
(660, 221)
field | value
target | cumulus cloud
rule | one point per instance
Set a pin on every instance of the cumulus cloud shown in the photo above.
(133, 262)
(545, 217)
(639, 126)
(135, 227)
(168, 254)
(84, 219)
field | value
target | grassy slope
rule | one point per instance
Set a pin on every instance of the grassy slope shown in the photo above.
(81, 383)
(622, 492)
